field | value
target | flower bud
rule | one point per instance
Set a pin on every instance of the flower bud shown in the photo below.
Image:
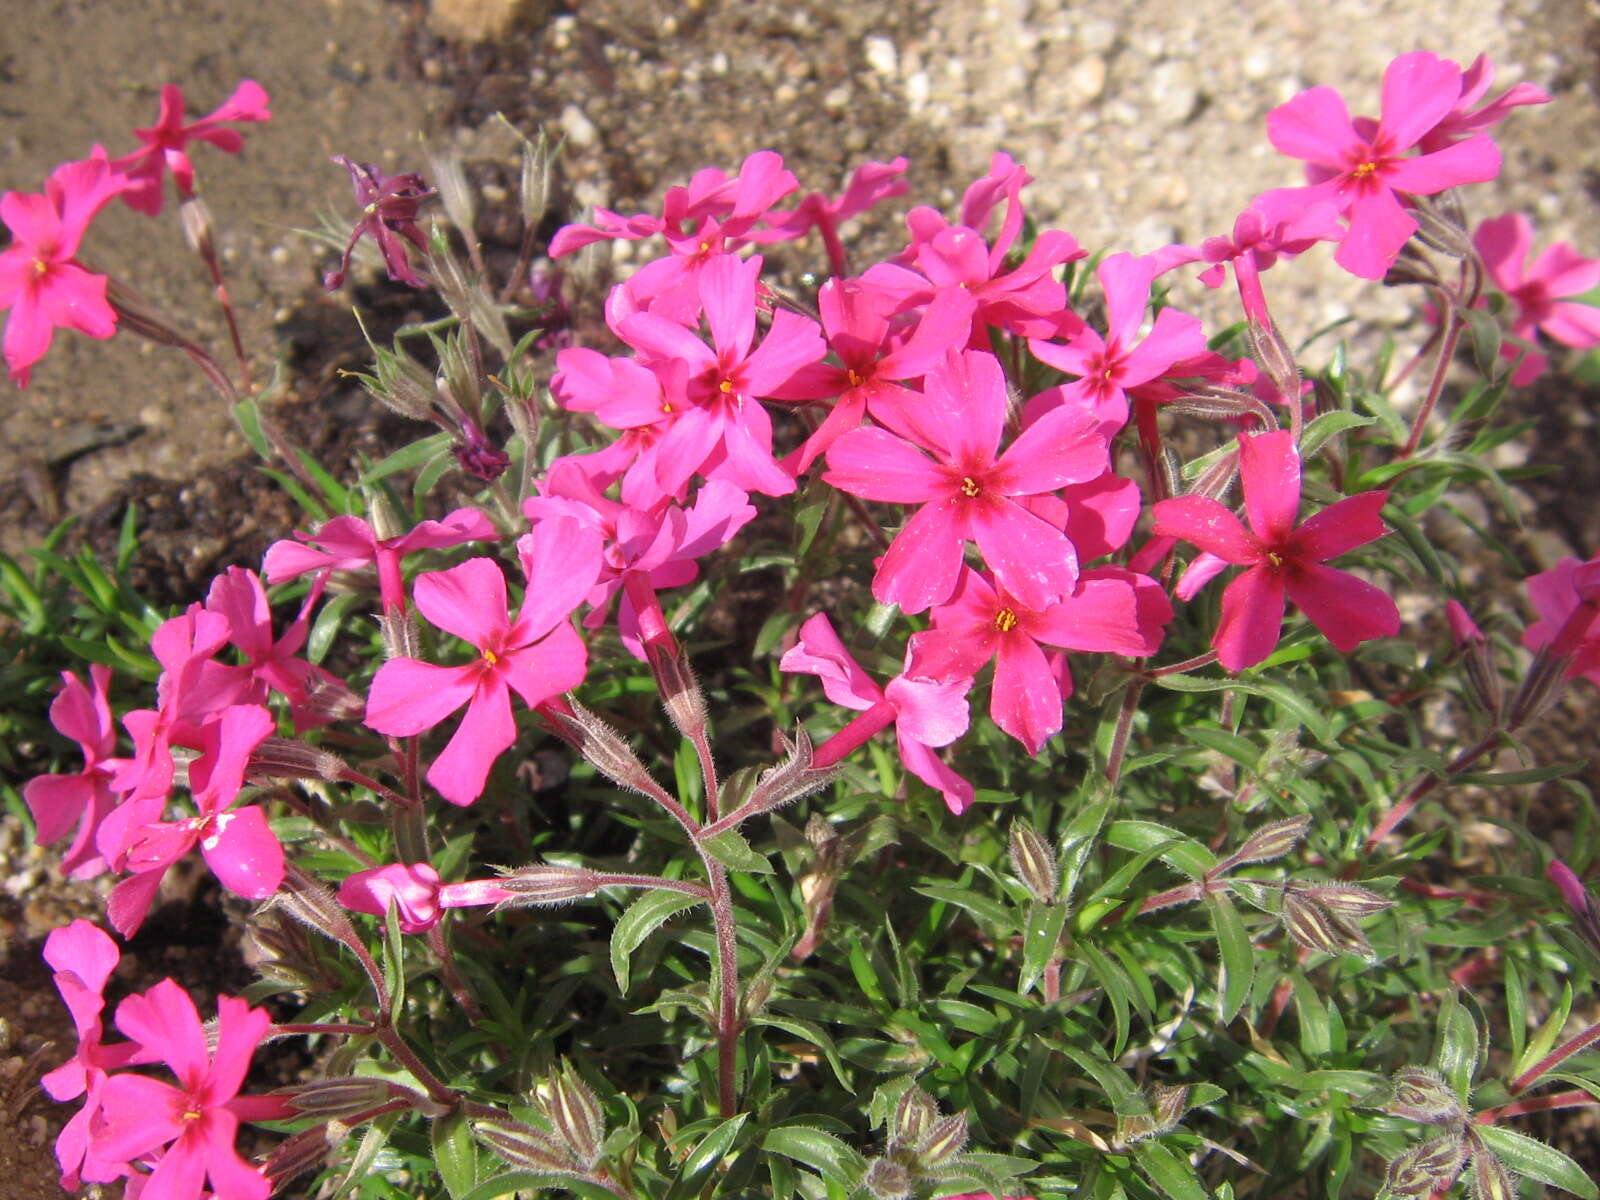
(1275, 357)
(1033, 862)
(460, 203)
(1346, 899)
(887, 1180)
(944, 1139)
(1272, 841)
(792, 778)
(1427, 1167)
(526, 1147)
(1421, 1094)
(287, 758)
(1316, 928)
(914, 1116)
(600, 745)
(312, 903)
(1488, 1177)
(569, 1104)
(194, 216)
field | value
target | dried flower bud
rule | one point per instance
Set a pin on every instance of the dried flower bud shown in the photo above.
(887, 1180)
(600, 745)
(537, 160)
(944, 1139)
(1167, 1106)
(468, 296)
(303, 1151)
(194, 216)
(914, 1116)
(546, 883)
(1315, 928)
(1275, 357)
(344, 1097)
(524, 1146)
(1428, 1166)
(1488, 1177)
(460, 203)
(1272, 841)
(287, 758)
(1421, 1094)
(1033, 862)
(681, 697)
(569, 1104)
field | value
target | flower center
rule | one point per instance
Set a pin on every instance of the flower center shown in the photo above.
(40, 268)
(969, 486)
(1005, 620)
(1275, 559)
(490, 657)
(855, 380)
(1364, 169)
(666, 406)
(725, 387)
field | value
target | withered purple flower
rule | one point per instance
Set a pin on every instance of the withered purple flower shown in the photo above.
(389, 205)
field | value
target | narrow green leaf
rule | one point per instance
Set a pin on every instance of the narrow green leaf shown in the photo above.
(1178, 850)
(703, 1159)
(731, 850)
(1116, 988)
(988, 910)
(454, 1153)
(247, 416)
(1172, 1175)
(531, 1181)
(822, 1152)
(643, 917)
(1456, 1044)
(326, 627)
(1079, 838)
(408, 458)
(1530, 1157)
(1327, 427)
(1238, 956)
(811, 1032)
(1041, 942)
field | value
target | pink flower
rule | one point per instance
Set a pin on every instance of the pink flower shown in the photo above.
(57, 802)
(416, 892)
(1362, 167)
(537, 655)
(1111, 611)
(1560, 596)
(1282, 558)
(1540, 288)
(349, 544)
(389, 206)
(870, 184)
(191, 1127)
(967, 491)
(926, 713)
(166, 143)
(83, 957)
(1463, 120)
(39, 281)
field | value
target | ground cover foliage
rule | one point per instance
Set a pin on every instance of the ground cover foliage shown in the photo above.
(822, 759)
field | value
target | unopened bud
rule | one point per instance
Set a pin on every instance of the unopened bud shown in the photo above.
(914, 1116)
(1488, 1176)
(569, 1104)
(537, 159)
(1167, 1106)
(1346, 899)
(1315, 928)
(524, 1146)
(1428, 1167)
(1421, 1094)
(1272, 841)
(681, 696)
(345, 1097)
(286, 758)
(887, 1180)
(313, 903)
(600, 745)
(944, 1139)
(792, 778)
(194, 216)
(1438, 231)
(546, 883)
(1033, 862)
(1223, 404)
(1477, 657)
(303, 1151)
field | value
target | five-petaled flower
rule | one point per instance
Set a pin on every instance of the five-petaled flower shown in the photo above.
(1281, 557)
(166, 143)
(40, 282)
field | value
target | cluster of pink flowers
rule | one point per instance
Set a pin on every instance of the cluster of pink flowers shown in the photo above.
(41, 281)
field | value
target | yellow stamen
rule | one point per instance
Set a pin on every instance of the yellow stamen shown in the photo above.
(40, 267)
(969, 486)
(1365, 169)
(666, 407)
(490, 657)
(1274, 559)
(855, 380)
(1005, 621)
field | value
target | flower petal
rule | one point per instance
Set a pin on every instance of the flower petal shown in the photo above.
(1269, 467)
(1252, 619)
(1341, 527)
(1347, 610)
(408, 696)
(487, 731)
(467, 600)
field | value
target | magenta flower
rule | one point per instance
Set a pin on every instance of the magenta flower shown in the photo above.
(1565, 597)
(350, 544)
(417, 893)
(538, 655)
(1283, 558)
(166, 143)
(60, 802)
(1363, 169)
(870, 184)
(926, 713)
(967, 492)
(389, 207)
(189, 1128)
(1108, 366)
(83, 958)
(1464, 120)
(1540, 288)
(40, 282)
(1111, 611)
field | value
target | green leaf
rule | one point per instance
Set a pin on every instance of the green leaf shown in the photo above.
(326, 627)
(247, 415)
(1078, 839)
(822, 1152)
(811, 1032)
(1041, 942)
(1530, 1157)
(455, 1153)
(1327, 427)
(394, 967)
(1238, 956)
(407, 458)
(643, 917)
(986, 909)
(530, 1181)
(1172, 1175)
(1116, 988)
(1456, 1044)
(1177, 850)
(731, 850)
(1544, 1040)
(1484, 328)
(703, 1159)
